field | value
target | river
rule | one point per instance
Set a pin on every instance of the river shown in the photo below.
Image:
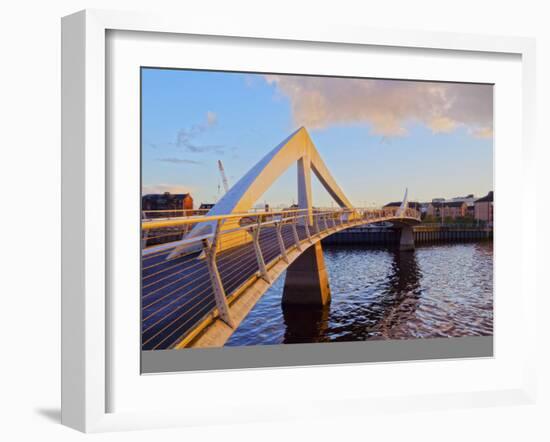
(438, 290)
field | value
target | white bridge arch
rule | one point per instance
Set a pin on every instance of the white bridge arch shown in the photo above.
(241, 197)
(297, 148)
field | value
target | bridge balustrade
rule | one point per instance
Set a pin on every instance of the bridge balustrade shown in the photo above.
(182, 294)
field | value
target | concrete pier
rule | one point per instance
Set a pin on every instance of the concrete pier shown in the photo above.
(406, 239)
(306, 281)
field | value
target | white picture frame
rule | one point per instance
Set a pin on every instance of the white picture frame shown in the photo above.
(86, 314)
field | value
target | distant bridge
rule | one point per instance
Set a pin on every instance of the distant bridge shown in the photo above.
(198, 289)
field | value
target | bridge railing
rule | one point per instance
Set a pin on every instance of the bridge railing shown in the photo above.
(162, 229)
(183, 292)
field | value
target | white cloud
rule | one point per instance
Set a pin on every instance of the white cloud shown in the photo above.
(387, 105)
(483, 132)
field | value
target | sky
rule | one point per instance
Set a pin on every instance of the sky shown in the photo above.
(376, 136)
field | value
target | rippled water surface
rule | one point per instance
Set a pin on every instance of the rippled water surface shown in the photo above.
(435, 291)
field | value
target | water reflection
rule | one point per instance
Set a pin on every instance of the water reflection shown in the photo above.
(305, 324)
(440, 290)
(402, 294)
(394, 301)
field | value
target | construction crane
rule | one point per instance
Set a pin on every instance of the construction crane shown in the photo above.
(224, 178)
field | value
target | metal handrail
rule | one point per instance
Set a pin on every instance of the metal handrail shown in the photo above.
(185, 291)
(149, 224)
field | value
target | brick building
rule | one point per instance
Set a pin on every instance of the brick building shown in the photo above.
(167, 201)
(483, 208)
(447, 209)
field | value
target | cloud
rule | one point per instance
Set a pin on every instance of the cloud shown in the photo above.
(483, 132)
(387, 105)
(186, 137)
(162, 188)
(178, 161)
(211, 118)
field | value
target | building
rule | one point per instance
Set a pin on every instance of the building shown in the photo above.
(167, 201)
(447, 209)
(469, 200)
(483, 209)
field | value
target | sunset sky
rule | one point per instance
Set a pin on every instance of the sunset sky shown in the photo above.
(377, 137)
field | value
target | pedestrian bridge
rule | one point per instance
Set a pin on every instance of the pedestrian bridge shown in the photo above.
(202, 274)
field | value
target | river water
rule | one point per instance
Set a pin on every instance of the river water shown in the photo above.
(439, 290)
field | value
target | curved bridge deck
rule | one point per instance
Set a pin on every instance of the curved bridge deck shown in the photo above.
(178, 292)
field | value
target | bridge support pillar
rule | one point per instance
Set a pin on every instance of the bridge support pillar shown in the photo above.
(306, 281)
(406, 240)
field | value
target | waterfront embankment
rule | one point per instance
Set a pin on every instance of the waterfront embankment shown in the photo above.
(382, 236)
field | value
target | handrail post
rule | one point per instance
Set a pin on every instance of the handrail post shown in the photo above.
(308, 234)
(316, 223)
(210, 250)
(295, 233)
(258, 251)
(325, 221)
(281, 242)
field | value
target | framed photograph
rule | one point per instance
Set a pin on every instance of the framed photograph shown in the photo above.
(238, 198)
